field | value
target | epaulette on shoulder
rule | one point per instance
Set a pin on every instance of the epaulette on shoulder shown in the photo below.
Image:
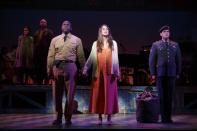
(56, 38)
(173, 42)
(74, 36)
(156, 42)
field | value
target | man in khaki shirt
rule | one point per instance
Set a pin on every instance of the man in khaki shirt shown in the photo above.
(64, 51)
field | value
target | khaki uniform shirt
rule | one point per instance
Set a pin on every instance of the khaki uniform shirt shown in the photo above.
(70, 49)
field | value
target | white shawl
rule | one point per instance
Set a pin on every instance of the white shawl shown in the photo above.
(92, 60)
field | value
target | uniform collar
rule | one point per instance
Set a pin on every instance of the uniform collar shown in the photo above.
(168, 41)
(68, 35)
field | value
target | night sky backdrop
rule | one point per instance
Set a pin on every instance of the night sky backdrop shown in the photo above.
(131, 29)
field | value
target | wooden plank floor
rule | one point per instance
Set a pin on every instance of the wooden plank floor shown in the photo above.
(89, 121)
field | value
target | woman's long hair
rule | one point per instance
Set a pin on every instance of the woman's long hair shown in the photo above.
(100, 39)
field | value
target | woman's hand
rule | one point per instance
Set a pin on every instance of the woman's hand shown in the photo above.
(113, 77)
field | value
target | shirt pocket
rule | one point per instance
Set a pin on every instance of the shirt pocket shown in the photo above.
(73, 47)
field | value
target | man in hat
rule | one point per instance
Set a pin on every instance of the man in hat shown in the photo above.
(165, 64)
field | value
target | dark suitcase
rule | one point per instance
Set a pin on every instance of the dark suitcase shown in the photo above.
(147, 110)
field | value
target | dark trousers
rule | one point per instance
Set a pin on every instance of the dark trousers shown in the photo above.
(166, 86)
(65, 82)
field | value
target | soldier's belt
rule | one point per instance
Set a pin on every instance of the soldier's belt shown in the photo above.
(59, 63)
(67, 61)
(63, 61)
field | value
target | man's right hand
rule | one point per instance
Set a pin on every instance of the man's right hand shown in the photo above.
(153, 77)
(84, 74)
(49, 73)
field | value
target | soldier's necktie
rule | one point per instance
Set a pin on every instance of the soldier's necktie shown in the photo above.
(65, 38)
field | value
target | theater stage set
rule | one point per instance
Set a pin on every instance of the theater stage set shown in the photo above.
(31, 107)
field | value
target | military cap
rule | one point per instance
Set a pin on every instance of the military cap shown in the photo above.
(165, 27)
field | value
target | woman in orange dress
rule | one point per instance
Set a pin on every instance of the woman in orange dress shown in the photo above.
(104, 62)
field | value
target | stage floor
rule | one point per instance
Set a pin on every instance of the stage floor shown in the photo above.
(89, 121)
